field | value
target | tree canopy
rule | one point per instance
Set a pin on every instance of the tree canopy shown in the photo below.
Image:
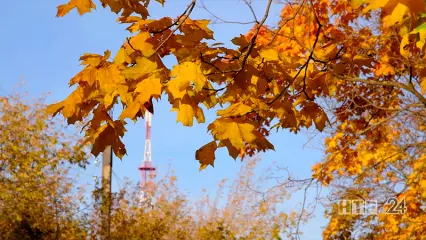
(355, 68)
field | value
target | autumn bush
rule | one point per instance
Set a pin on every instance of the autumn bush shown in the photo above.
(249, 211)
(36, 193)
(39, 198)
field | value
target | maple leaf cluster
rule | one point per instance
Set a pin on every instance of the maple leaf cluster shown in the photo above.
(257, 82)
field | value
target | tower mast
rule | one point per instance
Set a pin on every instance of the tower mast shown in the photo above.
(147, 169)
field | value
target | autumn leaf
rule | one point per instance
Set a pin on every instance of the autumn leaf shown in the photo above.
(238, 109)
(161, 1)
(109, 78)
(142, 68)
(375, 4)
(363, 61)
(236, 132)
(195, 27)
(122, 57)
(94, 59)
(147, 88)
(186, 73)
(187, 111)
(140, 43)
(185, 114)
(240, 41)
(206, 155)
(423, 86)
(356, 3)
(269, 54)
(111, 132)
(83, 6)
(233, 151)
(320, 121)
(126, 7)
(176, 90)
(397, 15)
(55, 108)
(131, 110)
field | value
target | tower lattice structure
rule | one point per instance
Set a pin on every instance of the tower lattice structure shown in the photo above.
(147, 168)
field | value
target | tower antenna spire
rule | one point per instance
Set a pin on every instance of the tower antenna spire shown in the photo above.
(147, 169)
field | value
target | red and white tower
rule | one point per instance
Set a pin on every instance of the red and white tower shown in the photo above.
(147, 169)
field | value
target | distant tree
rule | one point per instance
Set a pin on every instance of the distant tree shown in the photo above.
(36, 193)
(38, 199)
(250, 211)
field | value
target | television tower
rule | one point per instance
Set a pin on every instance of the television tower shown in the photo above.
(147, 169)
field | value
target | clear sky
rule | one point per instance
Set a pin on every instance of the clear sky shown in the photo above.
(43, 50)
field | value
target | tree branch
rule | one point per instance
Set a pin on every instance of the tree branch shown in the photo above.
(388, 83)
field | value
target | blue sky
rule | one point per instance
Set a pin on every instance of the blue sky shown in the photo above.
(43, 50)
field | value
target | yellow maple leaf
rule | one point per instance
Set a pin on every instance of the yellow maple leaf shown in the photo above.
(237, 132)
(197, 28)
(88, 75)
(422, 39)
(175, 90)
(356, 3)
(206, 155)
(259, 104)
(71, 102)
(108, 133)
(404, 41)
(147, 88)
(83, 6)
(131, 110)
(108, 100)
(122, 91)
(127, 7)
(397, 15)
(185, 114)
(388, 7)
(122, 57)
(139, 42)
(241, 41)
(269, 54)
(423, 85)
(94, 59)
(143, 67)
(375, 4)
(109, 78)
(188, 72)
(187, 111)
(55, 108)
(237, 109)
(93, 63)
(161, 1)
